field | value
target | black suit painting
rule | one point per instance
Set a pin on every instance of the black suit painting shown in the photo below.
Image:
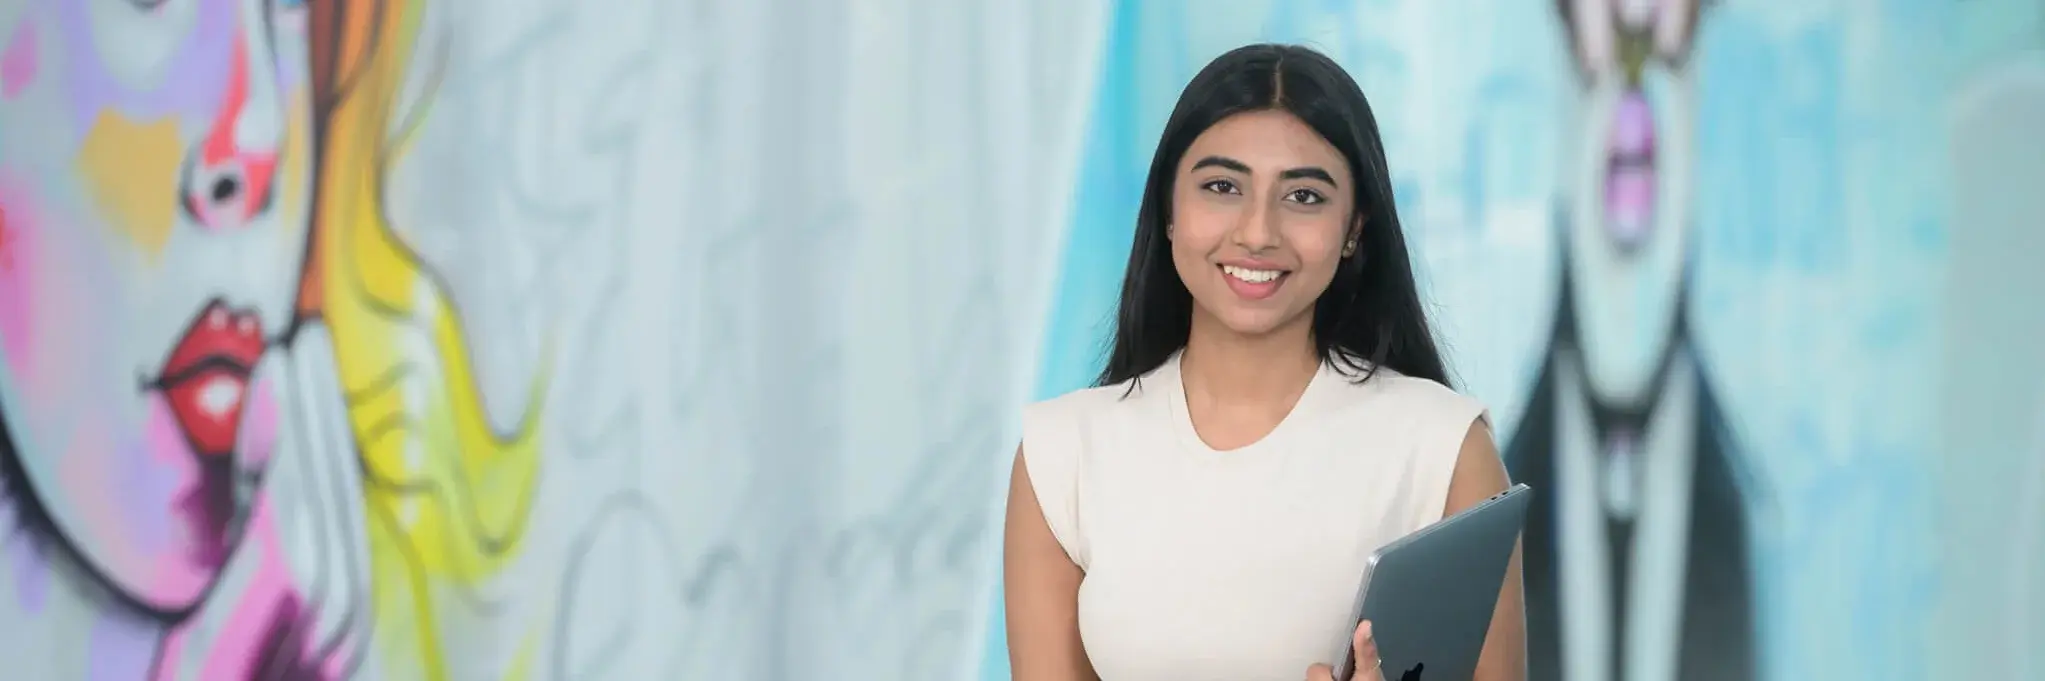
(1638, 551)
(1713, 595)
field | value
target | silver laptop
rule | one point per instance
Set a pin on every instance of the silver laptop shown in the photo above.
(1430, 595)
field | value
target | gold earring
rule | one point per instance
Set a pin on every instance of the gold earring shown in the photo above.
(1349, 249)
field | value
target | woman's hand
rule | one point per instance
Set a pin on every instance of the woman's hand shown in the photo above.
(1364, 650)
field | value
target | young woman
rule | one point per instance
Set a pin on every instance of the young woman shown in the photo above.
(1273, 409)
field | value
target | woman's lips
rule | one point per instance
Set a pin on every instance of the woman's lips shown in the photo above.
(206, 378)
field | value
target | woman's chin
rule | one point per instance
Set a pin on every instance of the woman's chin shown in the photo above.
(171, 580)
(1254, 323)
(180, 585)
(170, 547)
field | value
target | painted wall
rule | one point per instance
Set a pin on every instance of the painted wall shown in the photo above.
(437, 339)
(434, 339)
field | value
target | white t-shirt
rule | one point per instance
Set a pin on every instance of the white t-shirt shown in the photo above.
(1243, 564)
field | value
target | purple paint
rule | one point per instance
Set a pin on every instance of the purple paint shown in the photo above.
(121, 648)
(1630, 180)
(197, 70)
(259, 424)
(147, 490)
(26, 559)
(286, 649)
(206, 509)
(1633, 127)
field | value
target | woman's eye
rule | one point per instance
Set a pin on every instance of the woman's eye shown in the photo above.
(1305, 197)
(1220, 187)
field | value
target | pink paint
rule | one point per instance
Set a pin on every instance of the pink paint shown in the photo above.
(268, 626)
(195, 502)
(106, 505)
(169, 466)
(18, 60)
(1631, 178)
(19, 231)
(340, 661)
(223, 154)
(170, 655)
(137, 494)
(259, 424)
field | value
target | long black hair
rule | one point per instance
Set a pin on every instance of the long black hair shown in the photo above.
(1370, 316)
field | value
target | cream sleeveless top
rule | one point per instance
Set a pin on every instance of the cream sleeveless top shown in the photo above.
(1236, 565)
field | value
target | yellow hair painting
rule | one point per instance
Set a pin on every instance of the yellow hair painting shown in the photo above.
(447, 495)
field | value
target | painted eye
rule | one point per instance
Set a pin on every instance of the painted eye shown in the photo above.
(147, 4)
(1306, 197)
(1221, 187)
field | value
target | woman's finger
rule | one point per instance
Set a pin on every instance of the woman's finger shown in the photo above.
(1320, 672)
(1366, 654)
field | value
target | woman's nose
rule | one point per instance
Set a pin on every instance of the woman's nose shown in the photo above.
(1256, 230)
(228, 180)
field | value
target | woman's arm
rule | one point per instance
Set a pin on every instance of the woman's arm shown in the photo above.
(1041, 587)
(1480, 474)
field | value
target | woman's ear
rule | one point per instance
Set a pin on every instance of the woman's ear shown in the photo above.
(1351, 240)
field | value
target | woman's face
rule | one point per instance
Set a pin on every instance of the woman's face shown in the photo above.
(1261, 209)
(153, 180)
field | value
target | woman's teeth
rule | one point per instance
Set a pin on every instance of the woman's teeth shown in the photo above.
(1250, 275)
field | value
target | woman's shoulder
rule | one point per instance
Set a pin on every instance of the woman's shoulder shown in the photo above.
(1092, 402)
(1406, 398)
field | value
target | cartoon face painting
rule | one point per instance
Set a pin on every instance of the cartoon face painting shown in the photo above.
(1630, 196)
(153, 189)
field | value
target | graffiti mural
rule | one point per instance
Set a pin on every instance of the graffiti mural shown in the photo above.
(244, 433)
(157, 189)
(452, 339)
(447, 493)
(1637, 557)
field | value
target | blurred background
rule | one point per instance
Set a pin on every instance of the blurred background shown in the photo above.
(682, 339)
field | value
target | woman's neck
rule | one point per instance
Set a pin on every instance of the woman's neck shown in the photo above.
(1223, 368)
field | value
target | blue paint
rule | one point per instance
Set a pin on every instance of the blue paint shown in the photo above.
(1810, 150)
(1095, 252)
(1738, 87)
